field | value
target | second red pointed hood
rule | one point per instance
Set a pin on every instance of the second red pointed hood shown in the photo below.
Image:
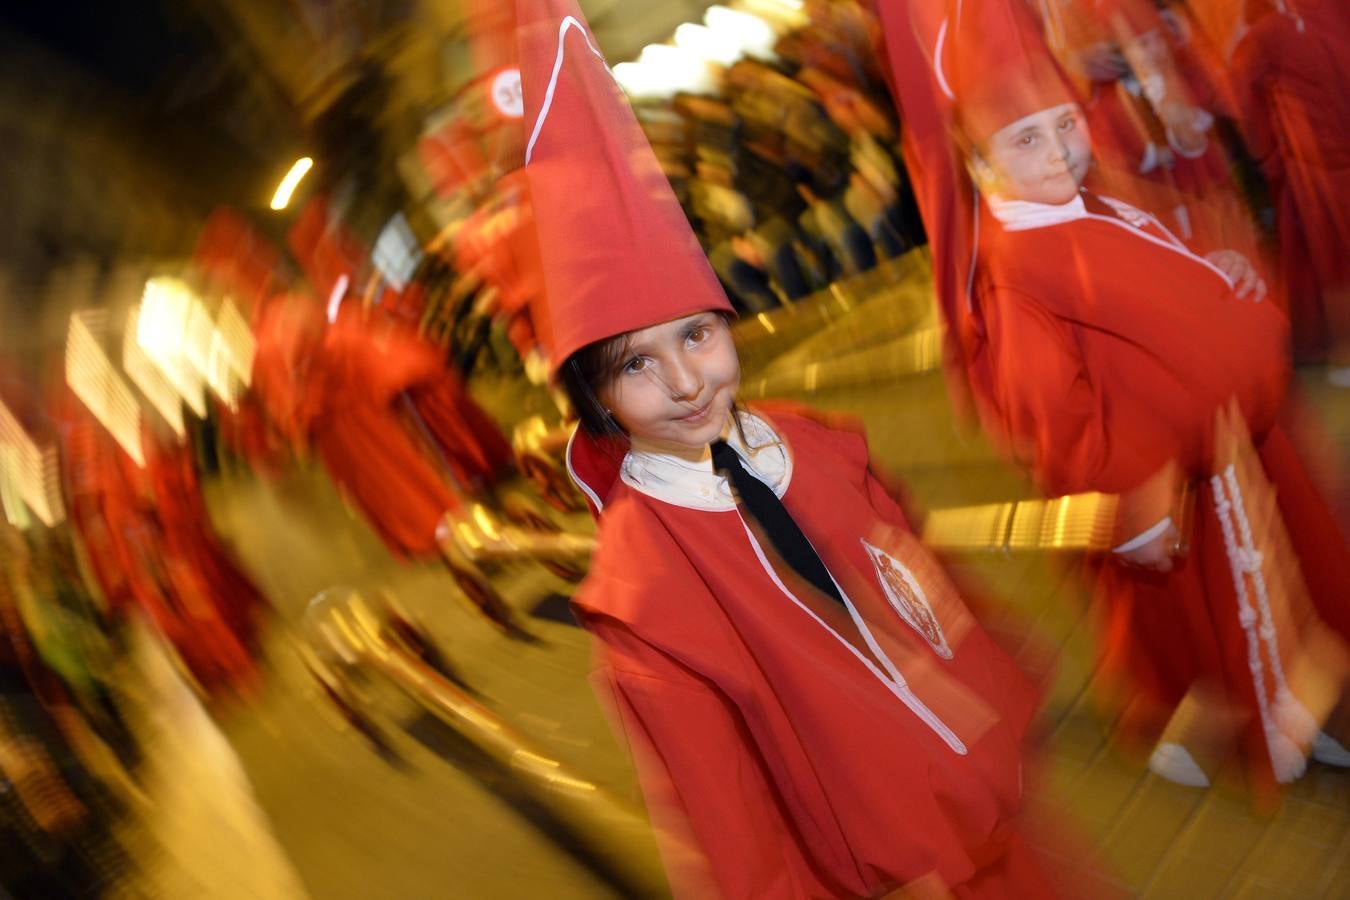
(617, 251)
(1001, 69)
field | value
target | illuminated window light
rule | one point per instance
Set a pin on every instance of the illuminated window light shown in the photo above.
(95, 381)
(146, 375)
(669, 70)
(751, 33)
(715, 47)
(31, 478)
(237, 339)
(11, 500)
(174, 331)
(785, 14)
(635, 81)
(292, 180)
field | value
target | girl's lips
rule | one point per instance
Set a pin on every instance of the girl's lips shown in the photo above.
(697, 415)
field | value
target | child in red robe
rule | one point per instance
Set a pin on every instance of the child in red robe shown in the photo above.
(813, 711)
(1100, 349)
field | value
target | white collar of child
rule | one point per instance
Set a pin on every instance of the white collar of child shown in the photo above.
(1022, 215)
(684, 477)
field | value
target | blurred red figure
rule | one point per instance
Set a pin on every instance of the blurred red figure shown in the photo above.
(163, 562)
(338, 389)
(1289, 74)
(242, 265)
(334, 390)
(327, 250)
(497, 245)
(365, 443)
(203, 567)
(1100, 350)
(240, 260)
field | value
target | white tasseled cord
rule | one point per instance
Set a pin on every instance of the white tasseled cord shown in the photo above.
(1290, 715)
(1286, 760)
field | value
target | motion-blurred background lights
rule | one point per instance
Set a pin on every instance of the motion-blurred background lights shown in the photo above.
(288, 184)
(754, 36)
(713, 46)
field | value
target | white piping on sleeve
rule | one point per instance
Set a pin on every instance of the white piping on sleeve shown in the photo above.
(896, 683)
(568, 21)
(1178, 247)
(937, 61)
(576, 479)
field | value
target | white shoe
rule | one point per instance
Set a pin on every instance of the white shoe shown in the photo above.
(1174, 763)
(1326, 749)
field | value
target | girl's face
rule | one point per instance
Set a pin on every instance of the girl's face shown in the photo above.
(1041, 158)
(676, 381)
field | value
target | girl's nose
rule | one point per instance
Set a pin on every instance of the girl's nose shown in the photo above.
(684, 382)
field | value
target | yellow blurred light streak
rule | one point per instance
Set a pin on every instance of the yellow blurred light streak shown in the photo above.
(484, 521)
(292, 180)
(767, 323)
(94, 379)
(1075, 522)
(31, 472)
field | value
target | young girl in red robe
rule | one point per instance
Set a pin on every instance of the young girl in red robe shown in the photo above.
(1100, 350)
(812, 710)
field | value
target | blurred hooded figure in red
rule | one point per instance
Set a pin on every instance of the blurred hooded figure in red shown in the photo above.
(1099, 350)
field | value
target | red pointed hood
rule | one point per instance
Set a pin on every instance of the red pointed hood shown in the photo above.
(617, 251)
(1001, 69)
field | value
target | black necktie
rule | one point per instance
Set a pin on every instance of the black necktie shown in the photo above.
(773, 518)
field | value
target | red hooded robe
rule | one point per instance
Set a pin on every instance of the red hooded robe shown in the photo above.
(799, 748)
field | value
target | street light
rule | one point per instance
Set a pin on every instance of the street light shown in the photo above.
(288, 184)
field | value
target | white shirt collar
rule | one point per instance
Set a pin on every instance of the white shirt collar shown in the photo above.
(1022, 215)
(684, 477)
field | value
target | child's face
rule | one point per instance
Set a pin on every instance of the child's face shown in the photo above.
(1041, 158)
(677, 381)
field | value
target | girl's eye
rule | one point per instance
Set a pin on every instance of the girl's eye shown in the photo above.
(1068, 124)
(698, 334)
(636, 364)
(1027, 140)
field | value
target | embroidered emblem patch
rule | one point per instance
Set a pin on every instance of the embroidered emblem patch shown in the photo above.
(908, 598)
